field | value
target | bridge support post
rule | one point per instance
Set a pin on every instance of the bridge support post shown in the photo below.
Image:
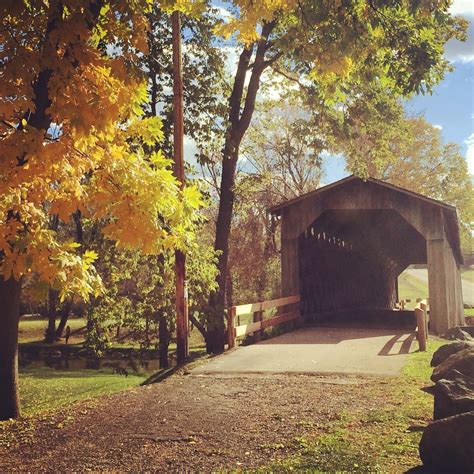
(446, 308)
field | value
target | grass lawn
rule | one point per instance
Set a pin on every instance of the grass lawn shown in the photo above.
(384, 439)
(31, 330)
(47, 389)
(468, 275)
(410, 287)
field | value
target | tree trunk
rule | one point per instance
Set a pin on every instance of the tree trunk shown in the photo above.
(50, 334)
(10, 291)
(164, 338)
(215, 339)
(239, 121)
(65, 313)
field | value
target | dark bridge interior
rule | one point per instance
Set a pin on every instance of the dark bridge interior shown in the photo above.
(351, 259)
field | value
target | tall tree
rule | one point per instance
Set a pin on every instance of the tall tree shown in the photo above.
(324, 46)
(203, 65)
(73, 137)
(281, 159)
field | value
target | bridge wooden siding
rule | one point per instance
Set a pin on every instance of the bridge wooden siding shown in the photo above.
(344, 245)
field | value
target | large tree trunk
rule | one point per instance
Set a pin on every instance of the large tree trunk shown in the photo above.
(50, 334)
(65, 313)
(164, 341)
(215, 337)
(10, 291)
(239, 121)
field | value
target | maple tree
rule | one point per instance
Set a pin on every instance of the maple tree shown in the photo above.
(74, 137)
(328, 48)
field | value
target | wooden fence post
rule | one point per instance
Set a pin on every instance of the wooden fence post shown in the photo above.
(231, 327)
(424, 308)
(257, 316)
(421, 328)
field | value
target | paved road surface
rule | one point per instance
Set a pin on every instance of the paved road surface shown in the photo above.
(320, 351)
(467, 286)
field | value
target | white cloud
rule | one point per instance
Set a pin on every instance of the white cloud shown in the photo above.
(439, 127)
(190, 149)
(223, 14)
(458, 51)
(462, 7)
(470, 153)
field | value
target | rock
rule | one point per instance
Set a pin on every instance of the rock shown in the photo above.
(447, 445)
(462, 361)
(457, 334)
(448, 349)
(468, 329)
(453, 396)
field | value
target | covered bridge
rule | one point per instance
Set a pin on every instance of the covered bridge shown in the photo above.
(344, 245)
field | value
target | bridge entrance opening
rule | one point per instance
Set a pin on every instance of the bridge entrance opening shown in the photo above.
(349, 263)
(344, 245)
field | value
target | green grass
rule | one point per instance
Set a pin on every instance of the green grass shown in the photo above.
(32, 330)
(468, 275)
(410, 287)
(372, 440)
(46, 389)
(469, 311)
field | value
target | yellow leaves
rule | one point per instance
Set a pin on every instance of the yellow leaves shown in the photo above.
(189, 7)
(148, 130)
(192, 197)
(88, 259)
(93, 157)
(251, 15)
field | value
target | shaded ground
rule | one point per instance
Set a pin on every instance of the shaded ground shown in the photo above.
(234, 421)
(320, 350)
(190, 422)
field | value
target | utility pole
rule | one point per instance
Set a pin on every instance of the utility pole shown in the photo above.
(178, 137)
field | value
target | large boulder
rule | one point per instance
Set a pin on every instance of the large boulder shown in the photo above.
(448, 349)
(461, 361)
(447, 445)
(468, 329)
(457, 334)
(453, 396)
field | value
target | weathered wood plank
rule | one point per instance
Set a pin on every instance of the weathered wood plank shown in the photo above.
(247, 308)
(248, 328)
(421, 328)
(280, 302)
(231, 328)
(262, 306)
(282, 318)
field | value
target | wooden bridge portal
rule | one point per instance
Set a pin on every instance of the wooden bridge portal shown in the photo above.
(344, 245)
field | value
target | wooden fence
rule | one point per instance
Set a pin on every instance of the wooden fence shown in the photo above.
(422, 318)
(258, 323)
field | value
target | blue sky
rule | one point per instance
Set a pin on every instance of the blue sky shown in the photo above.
(450, 107)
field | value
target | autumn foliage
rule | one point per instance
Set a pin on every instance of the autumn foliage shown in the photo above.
(74, 138)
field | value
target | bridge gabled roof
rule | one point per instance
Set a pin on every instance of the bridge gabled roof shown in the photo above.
(449, 211)
(275, 209)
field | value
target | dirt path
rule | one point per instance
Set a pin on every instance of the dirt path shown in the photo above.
(187, 422)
